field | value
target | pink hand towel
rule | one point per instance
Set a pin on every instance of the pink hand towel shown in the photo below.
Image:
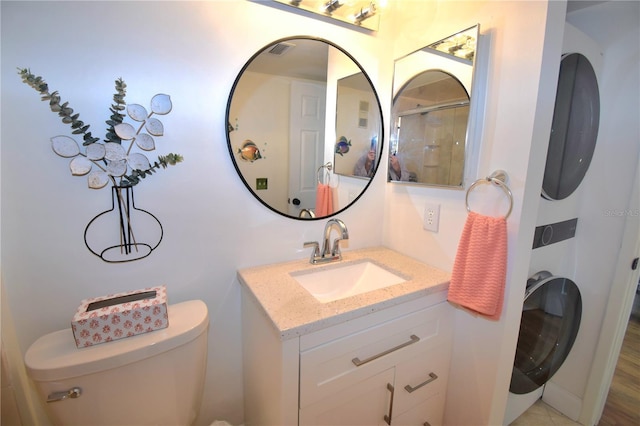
(480, 267)
(324, 200)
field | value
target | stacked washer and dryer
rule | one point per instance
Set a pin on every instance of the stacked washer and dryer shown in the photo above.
(552, 310)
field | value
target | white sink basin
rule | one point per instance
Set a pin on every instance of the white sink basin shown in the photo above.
(345, 280)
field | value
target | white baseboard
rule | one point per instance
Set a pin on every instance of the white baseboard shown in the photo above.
(562, 400)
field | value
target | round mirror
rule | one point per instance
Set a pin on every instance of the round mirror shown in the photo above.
(296, 104)
(574, 129)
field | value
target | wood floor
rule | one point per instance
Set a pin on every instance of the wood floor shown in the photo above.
(623, 402)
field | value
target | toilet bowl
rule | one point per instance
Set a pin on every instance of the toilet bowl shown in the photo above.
(155, 378)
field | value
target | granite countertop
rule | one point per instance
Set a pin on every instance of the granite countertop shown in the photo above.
(294, 311)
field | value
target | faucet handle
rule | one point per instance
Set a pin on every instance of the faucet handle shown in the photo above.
(316, 250)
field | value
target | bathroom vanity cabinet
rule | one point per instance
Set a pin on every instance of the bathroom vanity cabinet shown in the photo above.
(376, 357)
(386, 367)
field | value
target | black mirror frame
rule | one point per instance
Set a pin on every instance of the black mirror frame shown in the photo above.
(227, 125)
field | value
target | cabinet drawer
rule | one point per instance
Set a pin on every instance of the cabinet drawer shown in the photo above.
(428, 413)
(362, 404)
(327, 368)
(422, 377)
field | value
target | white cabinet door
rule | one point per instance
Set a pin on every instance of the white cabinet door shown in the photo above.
(327, 368)
(365, 403)
(428, 413)
(422, 376)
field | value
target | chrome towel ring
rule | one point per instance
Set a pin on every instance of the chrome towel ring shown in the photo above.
(323, 173)
(499, 177)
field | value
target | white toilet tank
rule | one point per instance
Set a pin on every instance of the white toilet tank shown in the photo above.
(155, 378)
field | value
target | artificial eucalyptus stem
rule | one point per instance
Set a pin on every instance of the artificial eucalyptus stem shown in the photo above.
(66, 145)
(109, 161)
(137, 133)
(122, 206)
(63, 110)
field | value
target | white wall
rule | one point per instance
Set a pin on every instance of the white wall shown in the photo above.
(268, 130)
(514, 138)
(517, 118)
(193, 51)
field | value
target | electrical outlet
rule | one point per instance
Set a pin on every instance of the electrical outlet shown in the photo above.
(431, 217)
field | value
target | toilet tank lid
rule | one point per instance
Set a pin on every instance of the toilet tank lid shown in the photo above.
(56, 357)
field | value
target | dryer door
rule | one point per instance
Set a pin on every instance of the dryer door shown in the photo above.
(549, 325)
(574, 130)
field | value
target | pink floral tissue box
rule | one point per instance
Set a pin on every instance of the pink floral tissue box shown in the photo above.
(116, 316)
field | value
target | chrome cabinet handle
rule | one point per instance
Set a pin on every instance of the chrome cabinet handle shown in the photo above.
(59, 396)
(358, 362)
(387, 418)
(432, 377)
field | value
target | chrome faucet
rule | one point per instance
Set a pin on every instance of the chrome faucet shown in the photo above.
(306, 213)
(328, 253)
(344, 235)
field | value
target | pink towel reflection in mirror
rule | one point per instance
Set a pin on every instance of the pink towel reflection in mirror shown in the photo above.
(324, 200)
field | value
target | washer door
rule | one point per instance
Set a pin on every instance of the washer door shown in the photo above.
(574, 130)
(549, 325)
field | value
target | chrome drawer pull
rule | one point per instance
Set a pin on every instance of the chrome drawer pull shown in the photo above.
(432, 377)
(59, 396)
(387, 418)
(358, 363)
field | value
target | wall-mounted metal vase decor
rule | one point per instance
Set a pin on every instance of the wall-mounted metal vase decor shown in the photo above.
(109, 161)
(132, 242)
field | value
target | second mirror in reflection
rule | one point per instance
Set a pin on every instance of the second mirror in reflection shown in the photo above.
(430, 130)
(430, 113)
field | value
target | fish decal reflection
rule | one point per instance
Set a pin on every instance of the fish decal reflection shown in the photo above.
(249, 151)
(342, 146)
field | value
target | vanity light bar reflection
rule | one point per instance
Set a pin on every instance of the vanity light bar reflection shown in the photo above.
(365, 13)
(331, 5)
(356, 12)
(461, 45)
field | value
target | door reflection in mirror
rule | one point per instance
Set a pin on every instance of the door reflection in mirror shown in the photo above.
(431, 111)
(284, 101)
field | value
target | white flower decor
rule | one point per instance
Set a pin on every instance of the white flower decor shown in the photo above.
(109, 161)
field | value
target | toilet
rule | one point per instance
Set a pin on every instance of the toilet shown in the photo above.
(156, 378)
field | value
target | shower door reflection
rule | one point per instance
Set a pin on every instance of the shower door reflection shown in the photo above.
(431, 143)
